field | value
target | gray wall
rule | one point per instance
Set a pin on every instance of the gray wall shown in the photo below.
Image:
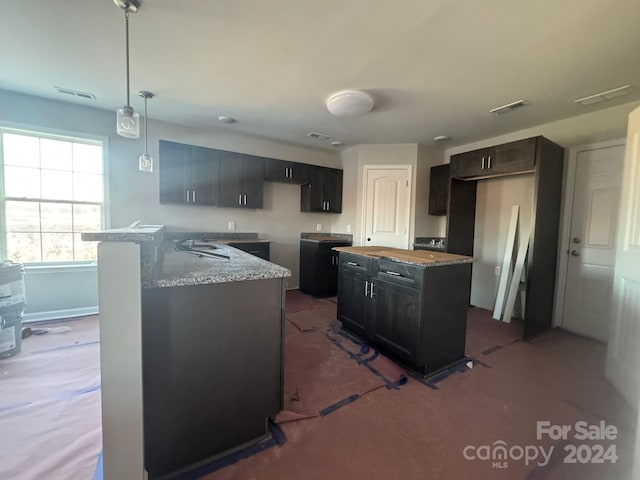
(134, 195)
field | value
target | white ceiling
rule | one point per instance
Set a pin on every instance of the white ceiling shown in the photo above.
(434, 67)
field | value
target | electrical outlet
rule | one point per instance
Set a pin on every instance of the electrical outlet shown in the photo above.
(497, 270)
(348, 228)
(319, 227)
(231, 225)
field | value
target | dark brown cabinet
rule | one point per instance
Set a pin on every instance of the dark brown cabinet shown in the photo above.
(319, 267)
(259, 249)
(285, 172)
(506, 159)
(196, 343)
(544, 159)
(439, 190)
(188, 174)
(323, 193)
(241, 180)
(415, 314)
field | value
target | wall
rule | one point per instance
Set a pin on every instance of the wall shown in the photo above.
(426, 225)
(134, 195)
(493, 206)
(353, 163)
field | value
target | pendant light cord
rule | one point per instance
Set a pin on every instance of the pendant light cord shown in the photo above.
(126, 28)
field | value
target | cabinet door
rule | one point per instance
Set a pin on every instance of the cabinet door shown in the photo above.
(231, 176)
(252, 181)
(332, 190)
(285, 172)
(204, 176)
(311, 193)
(276, 170)
(396, 321)
(439, 190)
(352, 301)
(514, 157)
(470, 164)
(173, 172)
(299, 173)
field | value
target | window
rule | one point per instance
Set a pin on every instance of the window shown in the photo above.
(53, 190)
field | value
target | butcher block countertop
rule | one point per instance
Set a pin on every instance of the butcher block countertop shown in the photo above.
(415, 257)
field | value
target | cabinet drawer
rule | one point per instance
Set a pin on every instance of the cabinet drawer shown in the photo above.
(258, 249)
(400, 273)
(355, 262)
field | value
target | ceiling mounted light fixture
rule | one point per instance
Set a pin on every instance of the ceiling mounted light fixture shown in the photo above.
(349, 103)
(603, 96)
(127, 119)
(145, 161)
(509, 107)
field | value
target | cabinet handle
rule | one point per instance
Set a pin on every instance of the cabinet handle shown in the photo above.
(193, 195)
(482, 163)
(366, 288)
(353, 263)
(240, 199)
(489, 161)
(187, 193)
(245, 200)
(395, 274)
(372, 292)
(328, 205)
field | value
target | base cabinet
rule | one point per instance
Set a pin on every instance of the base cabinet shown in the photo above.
(212, 370)
(319, 267)
(415, 314)
(259, 249)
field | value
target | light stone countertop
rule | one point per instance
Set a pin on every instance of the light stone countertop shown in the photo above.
(163, 266)
(179, 268)
(414, 257)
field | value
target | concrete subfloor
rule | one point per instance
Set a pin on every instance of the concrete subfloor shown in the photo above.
(416, 432)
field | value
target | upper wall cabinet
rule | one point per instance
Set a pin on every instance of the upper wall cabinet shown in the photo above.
(323, 193)
(506, 159)
(188, 174)
(439, 190)
(241, 180)
(285, 172)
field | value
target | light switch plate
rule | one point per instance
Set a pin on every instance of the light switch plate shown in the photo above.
(348, 228)
(231, 225)
(319, 227)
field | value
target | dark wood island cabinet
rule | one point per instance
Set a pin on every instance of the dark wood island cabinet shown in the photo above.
(319, 265)
(410, 304)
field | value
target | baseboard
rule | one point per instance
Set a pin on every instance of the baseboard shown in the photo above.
(59, 314)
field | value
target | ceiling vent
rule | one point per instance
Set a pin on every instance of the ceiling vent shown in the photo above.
(509, 107)
(319, 136)
(75, 93)
(603, 96)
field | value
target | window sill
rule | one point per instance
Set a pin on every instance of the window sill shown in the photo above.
(37, 268)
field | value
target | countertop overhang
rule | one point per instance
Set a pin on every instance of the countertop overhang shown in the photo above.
(415, 257)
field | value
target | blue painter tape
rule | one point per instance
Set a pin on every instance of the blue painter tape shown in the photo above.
(340, 404)
(98, 474)
(65, 347)
(277, 438)
(15, 406)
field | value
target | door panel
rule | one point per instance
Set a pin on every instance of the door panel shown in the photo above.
(397, 319)
(623, 355)
(387, 207)
(352, 307)
(204, 175)
(173, 172)
(231, 173)
(252, 181)
(592, 241)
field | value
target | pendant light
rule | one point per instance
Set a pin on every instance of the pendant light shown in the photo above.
(145, 161)
(127, 119)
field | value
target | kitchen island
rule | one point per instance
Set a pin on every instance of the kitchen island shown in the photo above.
(191, 349)
(412, 305)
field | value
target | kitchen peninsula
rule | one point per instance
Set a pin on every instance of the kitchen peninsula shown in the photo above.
(190, 368)
(410, 304)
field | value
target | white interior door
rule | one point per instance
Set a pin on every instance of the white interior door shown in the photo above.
(387, 204)
(592, 241)
(623, 354)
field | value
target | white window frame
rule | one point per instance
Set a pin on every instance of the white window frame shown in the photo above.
(55, 134)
